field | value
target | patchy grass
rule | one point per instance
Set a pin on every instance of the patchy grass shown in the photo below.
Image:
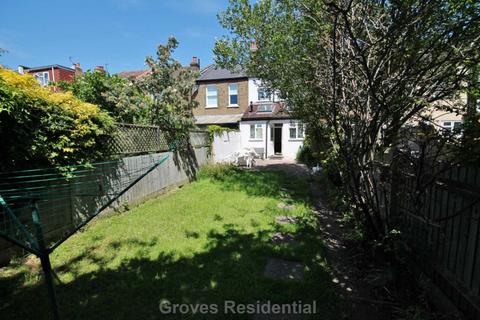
(205, 243)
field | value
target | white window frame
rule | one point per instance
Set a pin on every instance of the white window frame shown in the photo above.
(207, 95)
(450, 124)
(257, 132)
(263, 106)
(299, 131)
(230, 94)
(43, 78)
(269, 96)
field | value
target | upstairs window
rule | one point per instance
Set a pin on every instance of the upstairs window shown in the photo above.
(233, 94)
(451, 125)
(297, 130)
(43, 78)
(263, 94)
(212, 97)
(267, 107)
(256, 132)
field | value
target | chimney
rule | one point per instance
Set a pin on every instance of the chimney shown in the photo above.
(100, 69)
(195, 64)
(78, 70)
(253, 46)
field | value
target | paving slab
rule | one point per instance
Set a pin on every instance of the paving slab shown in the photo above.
(283, 270)
(285, 206)
(286, 219)
(284, 238)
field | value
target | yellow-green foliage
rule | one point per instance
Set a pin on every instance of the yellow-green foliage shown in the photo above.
(40, 127)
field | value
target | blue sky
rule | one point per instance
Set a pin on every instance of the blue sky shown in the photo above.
(115, 33)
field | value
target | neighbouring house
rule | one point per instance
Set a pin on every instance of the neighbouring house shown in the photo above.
(52, 73)
(138, 74)
(234, 100)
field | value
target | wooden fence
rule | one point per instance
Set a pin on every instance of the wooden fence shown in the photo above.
(179, 168)
(442, 226)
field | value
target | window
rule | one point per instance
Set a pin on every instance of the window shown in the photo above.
(212, 98)
(233, 94)
(42, 78)
(263, 94)
(297, 130)
(268, 107)
(451, 125)
(256, 132)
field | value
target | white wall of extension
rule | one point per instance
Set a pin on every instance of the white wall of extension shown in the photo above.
(289, 146)
(225, 144)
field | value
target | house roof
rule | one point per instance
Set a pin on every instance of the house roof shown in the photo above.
(213, 72)
(136, 74)
(55, 66)
(218, 119)
(278, 112)
(133, 74)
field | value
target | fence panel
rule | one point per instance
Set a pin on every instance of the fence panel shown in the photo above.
(445, 232)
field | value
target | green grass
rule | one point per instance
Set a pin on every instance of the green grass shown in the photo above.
(204, 243)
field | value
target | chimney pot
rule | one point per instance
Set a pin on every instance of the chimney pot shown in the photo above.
(100, 69)
(195, 63)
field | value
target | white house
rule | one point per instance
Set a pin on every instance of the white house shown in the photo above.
(267, 126)
(234, 100)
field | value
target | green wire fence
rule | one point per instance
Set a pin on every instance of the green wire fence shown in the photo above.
(41, 208)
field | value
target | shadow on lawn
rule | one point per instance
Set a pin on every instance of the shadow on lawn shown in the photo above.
(230, 268)
(264, 184)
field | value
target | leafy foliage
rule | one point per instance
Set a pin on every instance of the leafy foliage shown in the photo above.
(358, 72)
(42, 128)
(124, 102)
(169, 88)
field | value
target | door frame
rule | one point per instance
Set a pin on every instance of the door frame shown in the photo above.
(277, 129)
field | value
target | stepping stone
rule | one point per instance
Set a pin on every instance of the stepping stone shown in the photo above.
(286, 219)
(284, 238)
(279, 269)
(285, 206)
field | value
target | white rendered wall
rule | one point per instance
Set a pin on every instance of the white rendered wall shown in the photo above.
(253, 85)
(289, 146)
(225, 144)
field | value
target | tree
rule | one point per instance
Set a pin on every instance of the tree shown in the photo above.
(169, 87)
(359, 71)
(113, 94)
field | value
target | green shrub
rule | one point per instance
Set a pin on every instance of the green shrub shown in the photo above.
(305, 155)
(42, 128)
(217, 171)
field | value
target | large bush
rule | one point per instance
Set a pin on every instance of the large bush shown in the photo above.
(41, 128)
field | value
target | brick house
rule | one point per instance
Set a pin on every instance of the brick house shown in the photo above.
(52, 73)
(222, 97)
(234, 100)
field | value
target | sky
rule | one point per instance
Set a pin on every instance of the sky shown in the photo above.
(117, 34)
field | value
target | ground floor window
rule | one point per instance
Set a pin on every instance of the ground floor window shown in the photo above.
(451, 125)
(297, 130)
(256, 131)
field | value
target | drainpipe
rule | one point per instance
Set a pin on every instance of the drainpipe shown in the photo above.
(266, 138)
(53, 75)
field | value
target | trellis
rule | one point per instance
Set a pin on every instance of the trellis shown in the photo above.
(132, 139)
(129, 139)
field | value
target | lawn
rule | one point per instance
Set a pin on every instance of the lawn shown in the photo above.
(205, 243)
